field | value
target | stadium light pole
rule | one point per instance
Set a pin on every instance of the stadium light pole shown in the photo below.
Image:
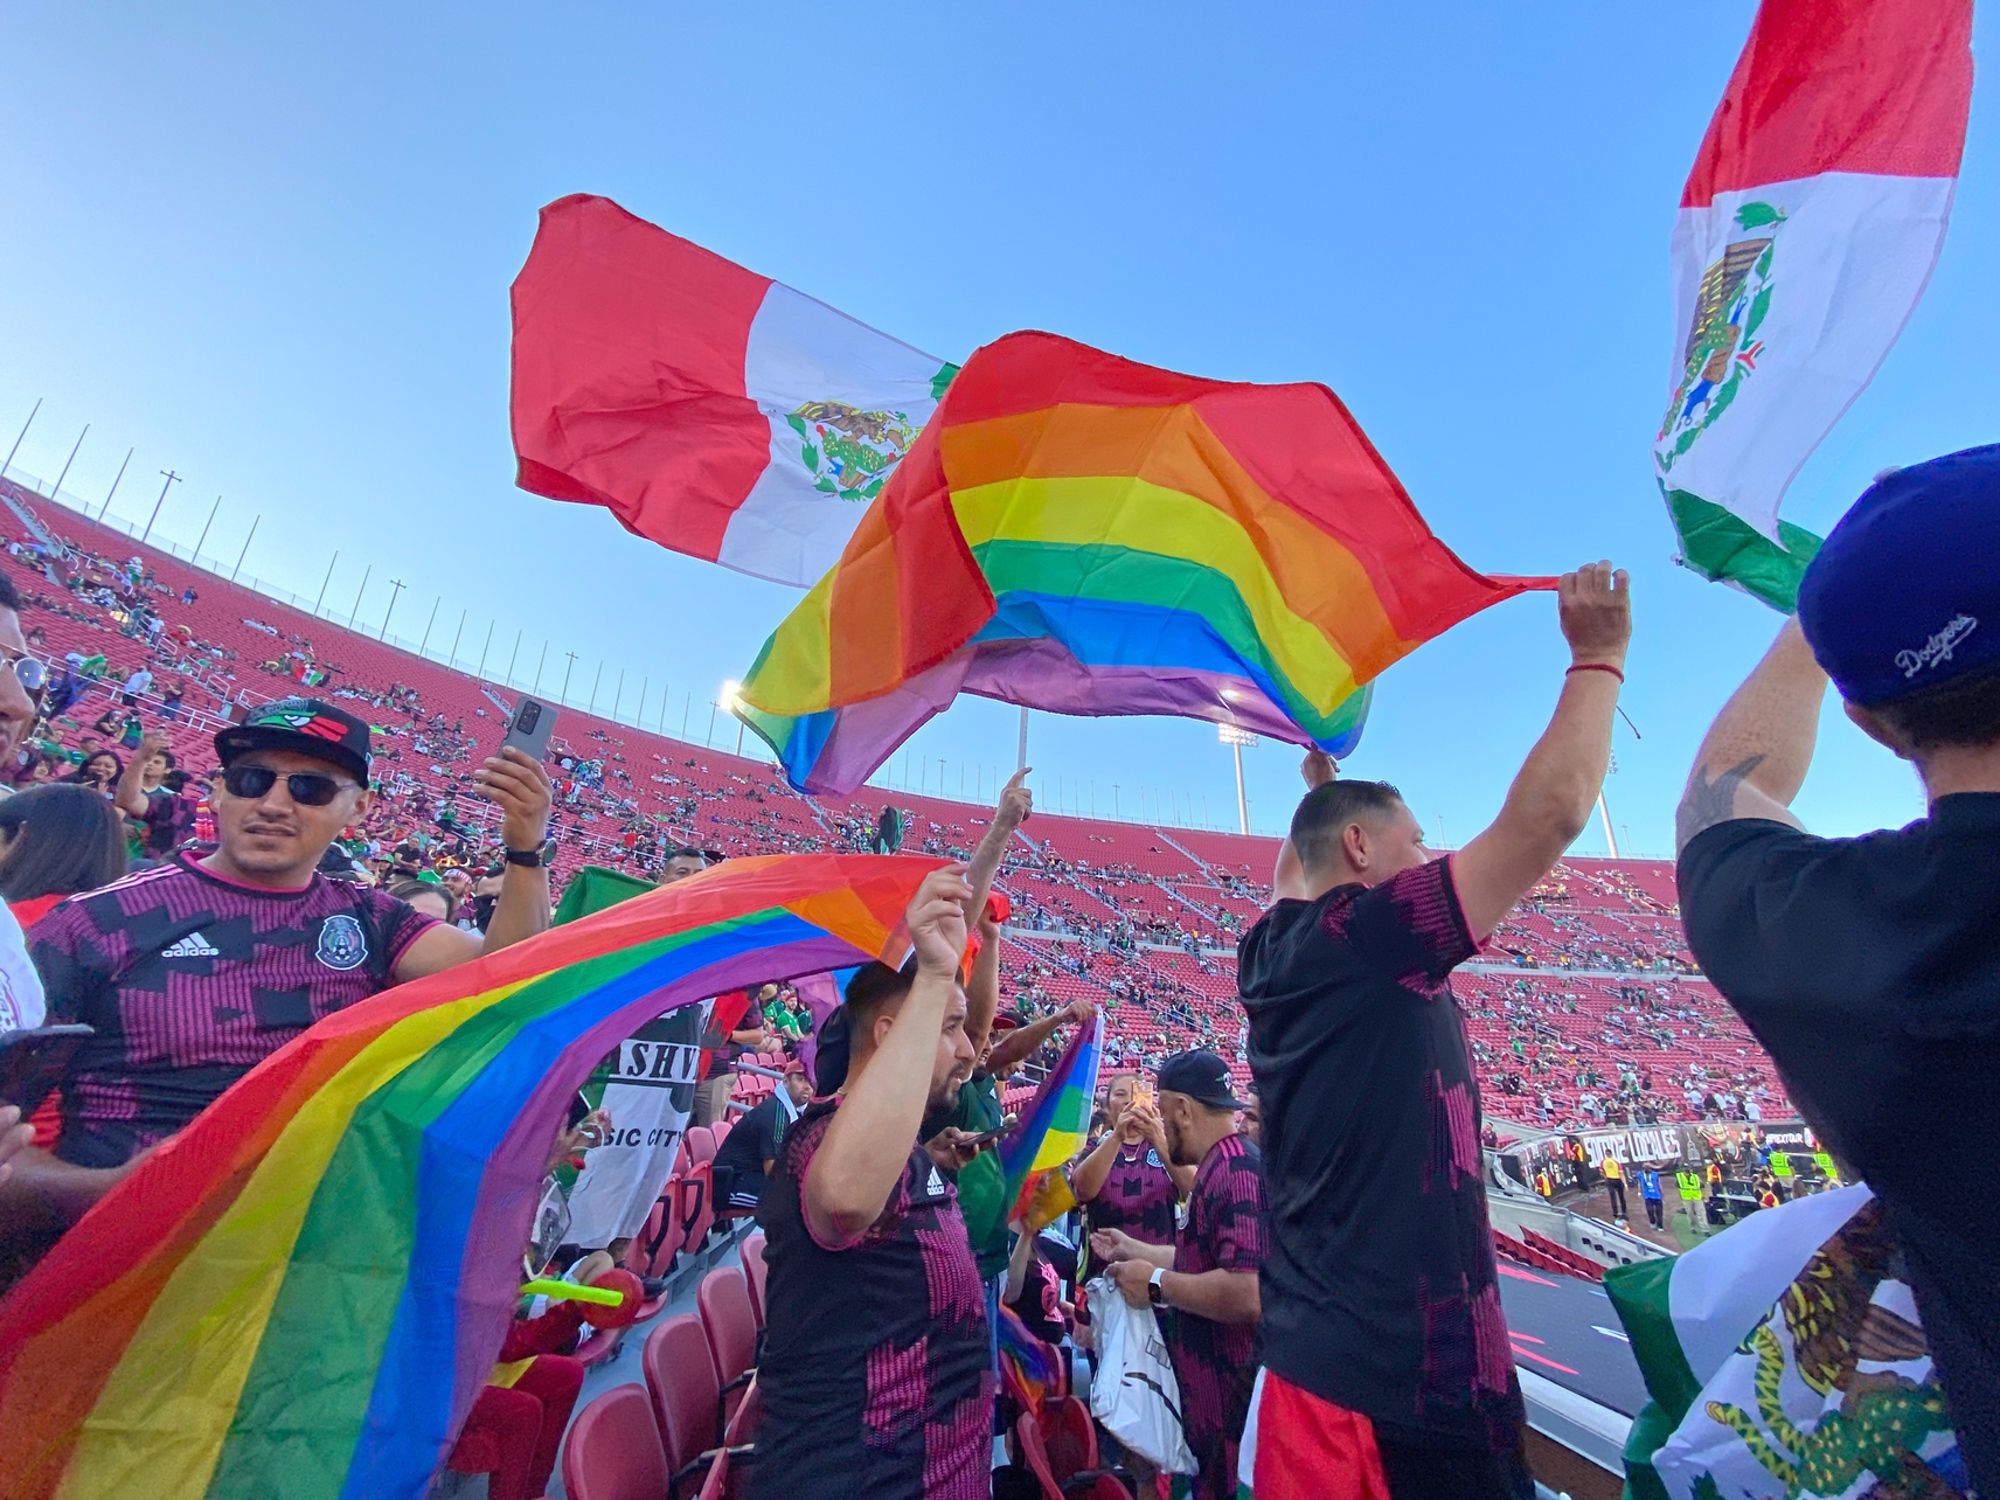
(114, 488)
(541, 662)
(512, 656)
(617, 695)
(459, 635)
(324, 582)
(595, 683)
(195, 556)
(172, 479)
(1114, 801)
(396, 587)
(728, 702)
(645, 686)
(1236, 739)
(246, 549)
(355, 613)
(19, 440)
(563, 697)
(56, 493)
(425, 642)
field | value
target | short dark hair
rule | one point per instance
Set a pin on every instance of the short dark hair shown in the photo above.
(1325, 813)
(873, 989)
(10, 596)
(65, 839)
(1962, 711)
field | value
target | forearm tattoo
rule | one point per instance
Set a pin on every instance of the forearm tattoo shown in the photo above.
(1708, 802)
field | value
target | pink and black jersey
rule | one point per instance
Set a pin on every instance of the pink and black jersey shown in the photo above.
(1381, 1295)
(1138, 1196)
(192, 980)
(1228, 1229)
(878, 1380)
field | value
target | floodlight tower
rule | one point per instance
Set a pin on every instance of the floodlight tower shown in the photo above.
(1236, 739)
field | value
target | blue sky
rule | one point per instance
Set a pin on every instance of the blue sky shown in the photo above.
(269, 247)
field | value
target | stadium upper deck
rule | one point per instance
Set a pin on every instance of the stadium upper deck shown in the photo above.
(1587, 1005)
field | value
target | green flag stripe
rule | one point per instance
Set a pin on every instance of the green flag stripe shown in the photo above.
(1722, 546)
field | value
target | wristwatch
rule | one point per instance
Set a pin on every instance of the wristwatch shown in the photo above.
(527, 858)
(1155, 1293)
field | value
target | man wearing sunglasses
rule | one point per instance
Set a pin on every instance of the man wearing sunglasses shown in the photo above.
(195, 971)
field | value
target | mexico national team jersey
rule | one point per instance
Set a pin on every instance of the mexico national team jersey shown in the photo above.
(192, 980)
(1138, 1196)
(879, 1379)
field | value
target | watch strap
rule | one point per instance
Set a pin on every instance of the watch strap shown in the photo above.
(527, 858)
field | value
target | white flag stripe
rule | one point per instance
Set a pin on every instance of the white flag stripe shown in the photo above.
(1768, 356)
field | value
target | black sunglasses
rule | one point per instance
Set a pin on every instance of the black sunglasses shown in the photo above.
(308, 788)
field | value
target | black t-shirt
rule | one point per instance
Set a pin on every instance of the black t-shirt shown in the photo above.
(1870, 970)
(752, 1141)
(1380, 1293)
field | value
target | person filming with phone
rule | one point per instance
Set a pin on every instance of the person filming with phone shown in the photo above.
(195, 971)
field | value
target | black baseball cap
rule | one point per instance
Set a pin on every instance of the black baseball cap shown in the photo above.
(305, 725)
(1202, 1076)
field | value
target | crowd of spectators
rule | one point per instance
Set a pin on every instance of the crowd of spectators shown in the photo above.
(1606, 1021)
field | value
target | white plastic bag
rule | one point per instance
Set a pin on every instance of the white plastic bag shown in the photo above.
(1134, 1393)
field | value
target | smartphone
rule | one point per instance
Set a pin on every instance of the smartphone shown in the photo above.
(529, 730)
(989, 1136)
(1142, 1093)
(34, 1062)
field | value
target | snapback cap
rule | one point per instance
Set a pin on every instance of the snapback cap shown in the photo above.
(305, 725)
(1904, 594)
(1202, 1076)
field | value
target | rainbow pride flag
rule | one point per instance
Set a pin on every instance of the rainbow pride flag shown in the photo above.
(1079, 533)
(302, 1293)
(1058, 1122)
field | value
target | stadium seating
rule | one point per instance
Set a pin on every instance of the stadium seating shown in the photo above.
(1587, 1009)
(613, 1449)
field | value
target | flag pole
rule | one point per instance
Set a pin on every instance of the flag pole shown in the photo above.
(1021, 760)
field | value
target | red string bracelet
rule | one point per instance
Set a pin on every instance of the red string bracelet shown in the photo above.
(1597, 666)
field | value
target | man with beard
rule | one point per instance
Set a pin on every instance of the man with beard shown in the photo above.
(1205, 1282)
(876, 1381)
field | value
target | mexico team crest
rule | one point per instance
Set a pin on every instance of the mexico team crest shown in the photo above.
(342, 945)
(1722, 347)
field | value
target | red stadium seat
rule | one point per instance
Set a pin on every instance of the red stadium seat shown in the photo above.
(753, 1274)
(724, 1301)
(613, 1449)
(694, 1199)
(680, 1379)
(701, 1144)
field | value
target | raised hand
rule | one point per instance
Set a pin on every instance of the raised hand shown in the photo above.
(517, 782)
(1318, 768)
(936, 919)
(1017, 803)
(1594, 606)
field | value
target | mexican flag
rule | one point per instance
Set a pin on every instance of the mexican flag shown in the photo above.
(1808, 228)
(715, 411)
(1786, 1361)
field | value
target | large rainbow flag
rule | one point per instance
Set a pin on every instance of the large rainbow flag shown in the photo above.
(302, 1293)
(1058, 1121)
(1079, 533)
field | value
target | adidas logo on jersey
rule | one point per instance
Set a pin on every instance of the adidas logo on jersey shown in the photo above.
(194, 945)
